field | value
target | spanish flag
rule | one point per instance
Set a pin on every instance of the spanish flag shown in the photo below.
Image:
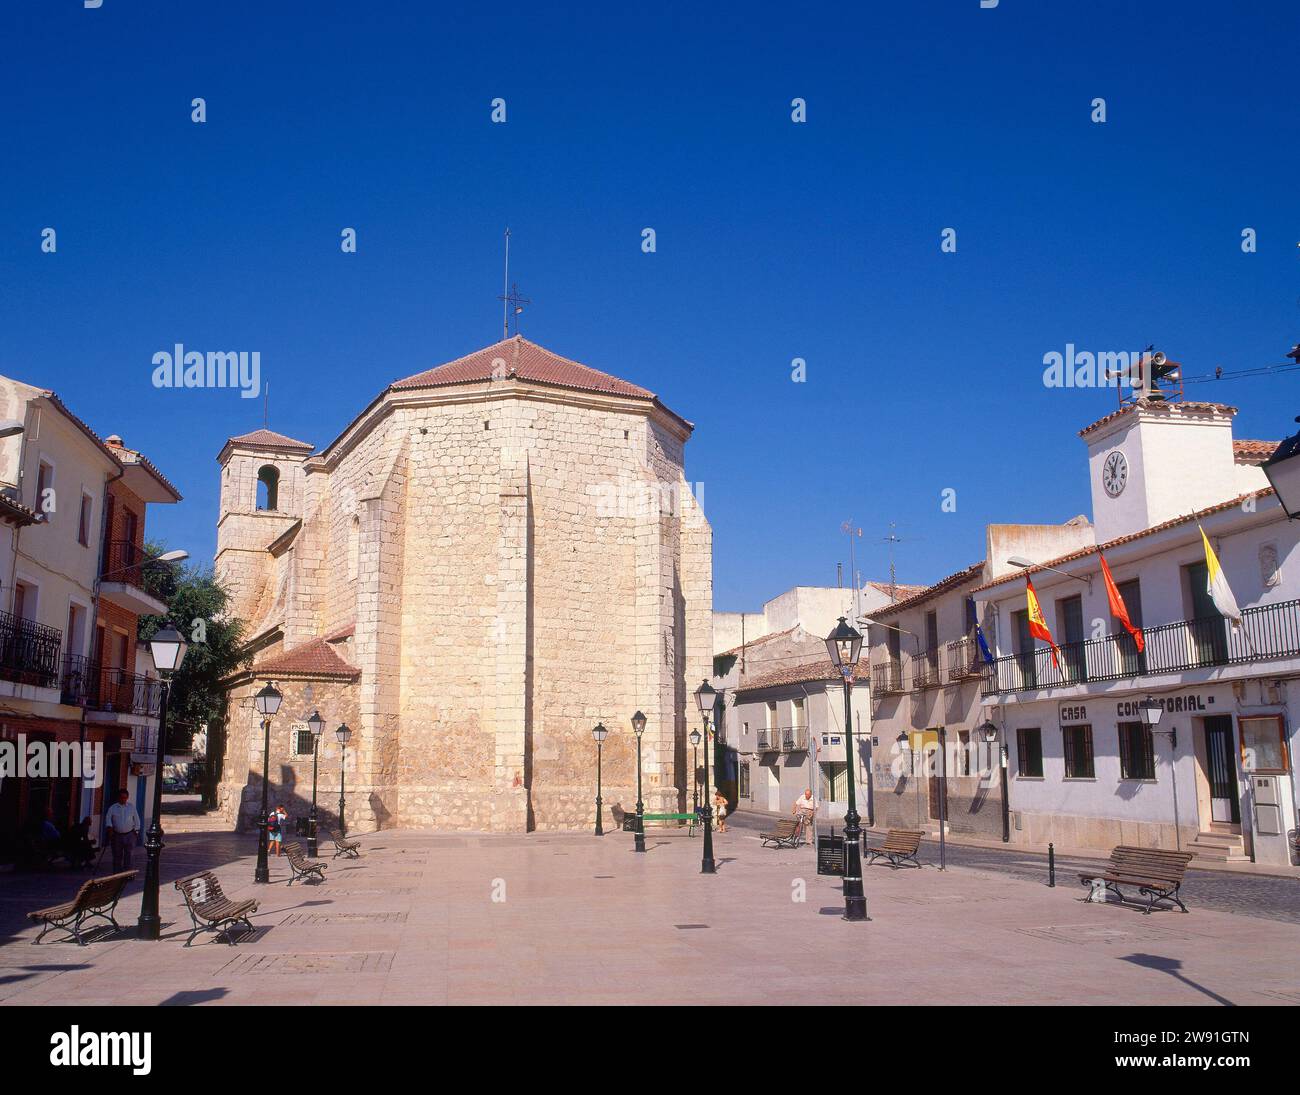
(1118, 608)
(1037, 625)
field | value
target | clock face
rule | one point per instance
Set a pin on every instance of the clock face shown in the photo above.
(1114, 473)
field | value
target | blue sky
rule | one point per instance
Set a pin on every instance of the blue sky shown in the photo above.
(819, 241)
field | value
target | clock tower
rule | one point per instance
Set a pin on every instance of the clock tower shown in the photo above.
(1154, 459)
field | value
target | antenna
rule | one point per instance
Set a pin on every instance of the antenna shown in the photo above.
(851, 531)
(505, 289)
(892, 539)
(266, 405)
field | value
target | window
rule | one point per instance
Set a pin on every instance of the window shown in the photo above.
(796, 712)
(25, 601)
(744, 779)
(83, 520)
(1069, 621)
(1132, 662)
(44, 502)
(834, 781)
(268, 488)
(1136, 753)
(1024, 642)
(1078, 751)
(1029, 752)
(771, 714)
(1263, 746)
(932, 645)
(963, 756)
(303, 744)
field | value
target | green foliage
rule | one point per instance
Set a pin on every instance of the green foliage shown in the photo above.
(196, 605)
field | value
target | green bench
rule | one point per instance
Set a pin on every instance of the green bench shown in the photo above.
(692, 820)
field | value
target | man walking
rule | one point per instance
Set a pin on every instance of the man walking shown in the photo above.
(123, 824)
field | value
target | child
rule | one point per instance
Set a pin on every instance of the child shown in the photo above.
(720, 810)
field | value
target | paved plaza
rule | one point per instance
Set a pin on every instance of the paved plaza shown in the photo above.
(431, 918)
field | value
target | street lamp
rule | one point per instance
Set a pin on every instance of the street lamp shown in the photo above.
(267, 703)
(168, 648)
(844, 644)
(344, 735)
(316, 725)
(599, 733)
(695, 770)
(1024, 564)
(1150, 711)
(707, 697)
(638, 728)
(991, 736)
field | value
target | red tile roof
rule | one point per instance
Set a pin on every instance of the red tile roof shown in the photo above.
(13, 510)
(525, 360)
(269, 439)
(756, 641)
(1083, 553)
(1253, 452)
(943, 585)
(1156, 405)
(316, 658)
(808, 672)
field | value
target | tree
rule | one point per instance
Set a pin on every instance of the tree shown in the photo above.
(196, 606)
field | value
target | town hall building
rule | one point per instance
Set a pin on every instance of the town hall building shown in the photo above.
(494, 556)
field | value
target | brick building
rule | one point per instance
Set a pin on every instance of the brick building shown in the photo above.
(493, 556)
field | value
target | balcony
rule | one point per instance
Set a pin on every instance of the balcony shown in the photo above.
(103, 688)
(887, 679)
(964, 659)
(122, 580)
(925, 669)
(29, 652)
(769, 741)
(1267, 631)
(794, 739)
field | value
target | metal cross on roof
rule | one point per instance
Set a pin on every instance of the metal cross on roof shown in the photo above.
(514, 304)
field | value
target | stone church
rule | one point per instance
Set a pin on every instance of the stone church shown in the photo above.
(492, 557)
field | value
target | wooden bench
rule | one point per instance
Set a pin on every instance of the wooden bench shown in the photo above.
(785, 835)
(97, 897)
(900, 847)
(345, 847)
(1156, 874)
(212, 910)
(302, 867)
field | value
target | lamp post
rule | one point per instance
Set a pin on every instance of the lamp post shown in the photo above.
(267, 703)
(844, 644)
(706, 696)
(168, 649)
(1150, 712)
(991, 736)
(599, 733)
(316, 725)
(344, 735)
(638, 728)
(695, 771)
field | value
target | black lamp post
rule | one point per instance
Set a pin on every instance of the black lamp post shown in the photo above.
(168, 649)
(344, 735)
(599, 733)
(844, 644)
(706, 696)
(267, 703)
(695, 770)
(991, 736)
(316, 725)
(638, 728)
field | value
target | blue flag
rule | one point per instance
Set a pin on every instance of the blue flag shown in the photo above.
(985, 652)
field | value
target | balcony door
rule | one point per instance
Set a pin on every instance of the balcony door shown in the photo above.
(1208, 638)
(1069, 616)
(1221, 770)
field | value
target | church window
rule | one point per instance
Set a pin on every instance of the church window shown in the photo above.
(268, 488)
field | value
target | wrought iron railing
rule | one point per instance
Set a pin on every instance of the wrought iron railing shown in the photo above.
(887, 678)
(925, 669)
(794, 739)
(964, 659)
(1266, 631)
(124, 562)
(769, 741)
(103, 688)
(29, 652)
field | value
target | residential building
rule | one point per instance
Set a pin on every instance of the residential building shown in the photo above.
(74, 509)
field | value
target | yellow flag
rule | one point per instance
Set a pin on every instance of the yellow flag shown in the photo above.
(1216, 585)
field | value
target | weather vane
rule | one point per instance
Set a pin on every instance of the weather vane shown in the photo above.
(511, 302)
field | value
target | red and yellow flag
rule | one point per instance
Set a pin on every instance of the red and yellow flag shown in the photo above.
(1118, 608)
(1037, 625)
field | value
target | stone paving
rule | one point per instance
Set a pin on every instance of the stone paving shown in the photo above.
(426, 918)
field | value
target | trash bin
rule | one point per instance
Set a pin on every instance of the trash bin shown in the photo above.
(830, 854)
(302, 826)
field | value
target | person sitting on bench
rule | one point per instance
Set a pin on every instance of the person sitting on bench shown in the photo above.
(804, 812)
